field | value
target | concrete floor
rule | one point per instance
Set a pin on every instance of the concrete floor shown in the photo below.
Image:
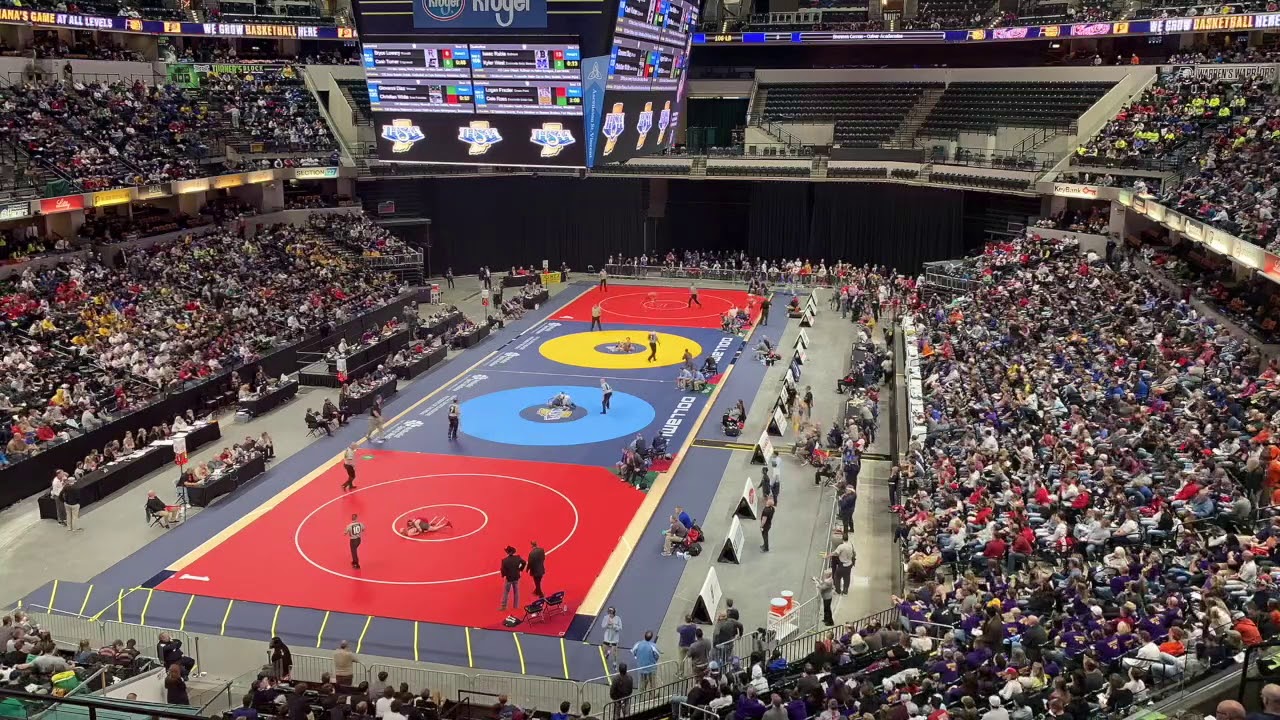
(115, 528)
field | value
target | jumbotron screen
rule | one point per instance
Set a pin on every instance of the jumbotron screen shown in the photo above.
(522, 82)
(645, 90)
(499, 103)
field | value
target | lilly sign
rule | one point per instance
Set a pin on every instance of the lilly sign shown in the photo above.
(479, 14)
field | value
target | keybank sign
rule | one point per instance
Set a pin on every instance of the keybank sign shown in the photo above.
(479, 14)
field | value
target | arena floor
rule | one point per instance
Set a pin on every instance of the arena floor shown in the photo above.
(272, 559)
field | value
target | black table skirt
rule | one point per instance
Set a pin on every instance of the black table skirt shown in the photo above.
(101, 483)
(201, 496)
(438, 327)
(361, 405)
(271, 400)
(532, 302)
(519, 280)
(421, 364)
(466, 341)
(386, 345)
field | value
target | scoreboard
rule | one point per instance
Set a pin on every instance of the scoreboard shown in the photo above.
(517, 103)
(524, 82)
(645, 90)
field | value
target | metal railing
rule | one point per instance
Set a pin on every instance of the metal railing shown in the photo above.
(69, 629)
(624, 270)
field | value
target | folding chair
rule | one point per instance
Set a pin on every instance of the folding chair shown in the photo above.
(535, 611)
(152, 518)
(313, 429)
(555, 604)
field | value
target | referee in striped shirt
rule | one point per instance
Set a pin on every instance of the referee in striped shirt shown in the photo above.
(353, 532)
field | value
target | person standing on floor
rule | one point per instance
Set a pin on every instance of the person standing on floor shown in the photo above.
(349, 464)
(647, 655)
(375, 421)
(511, 567)
(604, 280)
(843, 558)
(612, 633)
(455, 416)
(55, 491)
(355, 529)
(71, 498)
(595, 317)
(344, 666)
(537, 566)
(765, 304)
(448, 276)
(653, 346)
(766, 523)
(826, 589)
(693, 296)
(486, 277)
(606, 395)
(848, 503)
(775, 479)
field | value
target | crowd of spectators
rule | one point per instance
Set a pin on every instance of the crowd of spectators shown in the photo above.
(354, 232)
(1081, 507)
(104, 135)
(1222, 134)
(273, 108)
(1139, 184)
(723, 264)
(948, 17)
(1094, 220)
(107, 134)
(89, 342)
(1210, 55)
(83, 46)
(30, 661)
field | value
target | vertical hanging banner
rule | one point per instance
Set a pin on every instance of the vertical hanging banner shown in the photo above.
(180, 451)
(595, 71)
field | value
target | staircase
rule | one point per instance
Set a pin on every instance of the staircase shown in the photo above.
(698, 167)
(906, 133)
(818, 168)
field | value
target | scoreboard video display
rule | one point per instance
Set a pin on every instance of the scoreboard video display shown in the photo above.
(645, 90)
(524, 82)
(505, 103)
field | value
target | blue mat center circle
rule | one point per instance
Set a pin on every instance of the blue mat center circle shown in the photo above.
(513, 417)
(544, 414)
(616, 349)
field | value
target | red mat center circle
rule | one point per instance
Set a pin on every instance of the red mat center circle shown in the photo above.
(493, 511)
(466, 520)
(664, 303)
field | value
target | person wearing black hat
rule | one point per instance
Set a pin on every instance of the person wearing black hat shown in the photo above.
(512, 566)
(537, 566)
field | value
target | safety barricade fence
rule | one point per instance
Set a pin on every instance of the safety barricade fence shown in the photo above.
(68, 629)
(700, 273)
(313, 668)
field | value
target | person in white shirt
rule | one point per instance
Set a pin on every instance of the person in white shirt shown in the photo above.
(383, 705)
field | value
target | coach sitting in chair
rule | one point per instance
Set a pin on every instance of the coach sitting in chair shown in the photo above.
(156, 508)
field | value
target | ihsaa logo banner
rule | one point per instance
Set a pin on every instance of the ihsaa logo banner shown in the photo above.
(479, 14)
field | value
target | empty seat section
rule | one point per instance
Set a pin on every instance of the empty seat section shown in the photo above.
(865, 114)
(982, 107)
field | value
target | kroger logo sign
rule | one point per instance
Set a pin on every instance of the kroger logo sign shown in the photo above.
(466, 14)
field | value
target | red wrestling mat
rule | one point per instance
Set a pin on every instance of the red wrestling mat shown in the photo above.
(644, 306)
(576, 513)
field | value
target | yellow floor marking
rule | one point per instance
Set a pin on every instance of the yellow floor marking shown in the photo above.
(360, 643)
(471, 662)
(519, 651)
(142, 620)
(53, 597)
(274, 617)
(323, 623)
(225, 615)
(182, 624)
(564, 659)
(85, 604)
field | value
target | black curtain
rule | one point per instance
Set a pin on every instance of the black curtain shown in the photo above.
(712, 120)
(896, 225)
(509, 221)
(778, 219)
(705, 215)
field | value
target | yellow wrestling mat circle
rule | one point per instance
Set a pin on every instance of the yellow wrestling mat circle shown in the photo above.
(605, 349)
